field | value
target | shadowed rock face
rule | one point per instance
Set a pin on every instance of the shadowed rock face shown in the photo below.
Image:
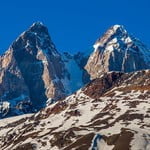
(32, 67)
(40, 64)
(116, 50)
(32, 71)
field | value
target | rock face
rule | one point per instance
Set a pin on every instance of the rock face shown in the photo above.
(40, 63)
(111, 112)
(33, 73)
(116, 50)
(32, 69)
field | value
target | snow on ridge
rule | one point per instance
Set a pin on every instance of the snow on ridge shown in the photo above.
(38, 23)
(115, 27)
(88, 108)
(75, 75)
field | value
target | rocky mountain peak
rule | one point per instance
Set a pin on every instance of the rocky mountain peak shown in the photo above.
(117, 50)
(36, 36)
(31, 70)
(38, 27)
(38, 73)
(118, 27)
(114, 32)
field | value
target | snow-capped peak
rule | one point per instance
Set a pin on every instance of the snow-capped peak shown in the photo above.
(115, 27)
(118, 27)
(37, 26)
(38, 23)
(115, 31)
(117, 50)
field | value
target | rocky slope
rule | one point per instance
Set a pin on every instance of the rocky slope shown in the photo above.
(117, 50)
(32, 71)
(111, 112)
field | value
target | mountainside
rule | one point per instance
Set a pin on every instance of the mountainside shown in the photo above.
(116, 50)
(32, 71)
(111, 113)
(66, 110)
(34, 74)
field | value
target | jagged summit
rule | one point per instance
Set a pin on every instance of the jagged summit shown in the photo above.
(117, 50)
(117, 27)
(115, 31)
(38, 23)
(38, 27)
(36, 37)
(33, 73)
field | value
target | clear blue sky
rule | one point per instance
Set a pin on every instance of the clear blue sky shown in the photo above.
(73, 24)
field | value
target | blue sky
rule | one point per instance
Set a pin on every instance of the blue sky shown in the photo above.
(74, 24)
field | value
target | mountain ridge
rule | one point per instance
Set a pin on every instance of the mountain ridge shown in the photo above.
(83, 101)
(34, 74)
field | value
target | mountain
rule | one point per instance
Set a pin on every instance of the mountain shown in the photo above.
(82, 101)
(111, 112)
(33, 73)
(117, 50)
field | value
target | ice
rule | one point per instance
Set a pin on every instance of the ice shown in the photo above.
(4, 107)
(75, 82)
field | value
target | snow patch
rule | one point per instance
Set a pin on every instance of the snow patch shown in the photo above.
(74, 82)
